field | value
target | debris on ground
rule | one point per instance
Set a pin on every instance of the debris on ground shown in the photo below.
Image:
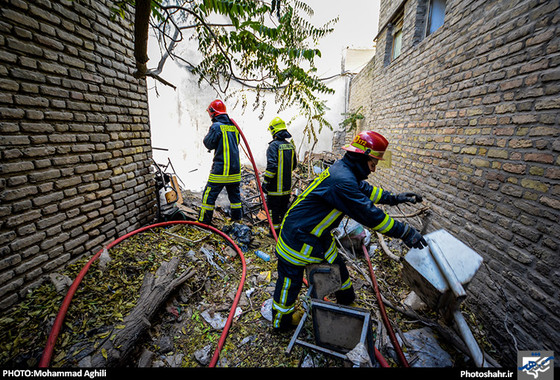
(187, 327)
(424, 349)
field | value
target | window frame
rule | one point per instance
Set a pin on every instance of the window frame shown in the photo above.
(397, 31)
(429, 17)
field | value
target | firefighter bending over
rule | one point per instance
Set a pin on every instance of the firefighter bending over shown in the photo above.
(223, 138)
(281, 159)
(305, 237)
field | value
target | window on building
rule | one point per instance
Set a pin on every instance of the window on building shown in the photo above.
(436, 15)
(397, 38)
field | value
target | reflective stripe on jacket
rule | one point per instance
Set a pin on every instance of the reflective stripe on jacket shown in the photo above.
(223, 138)
(306, 237)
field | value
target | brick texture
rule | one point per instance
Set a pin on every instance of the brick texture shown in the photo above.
(472, 116)
(74, 137)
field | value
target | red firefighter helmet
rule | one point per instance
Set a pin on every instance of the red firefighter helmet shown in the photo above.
(370, 143)
(217, 107)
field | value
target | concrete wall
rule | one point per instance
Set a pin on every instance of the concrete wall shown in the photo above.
(75, 140)
(471, 113)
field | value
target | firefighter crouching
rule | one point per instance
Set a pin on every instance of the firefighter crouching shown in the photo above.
(223, 138)
(305, 236)
(281, 160)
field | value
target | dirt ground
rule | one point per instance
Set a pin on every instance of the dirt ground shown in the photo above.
(186, 331)
(188, 327)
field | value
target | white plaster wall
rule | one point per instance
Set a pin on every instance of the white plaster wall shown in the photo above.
(179, 120)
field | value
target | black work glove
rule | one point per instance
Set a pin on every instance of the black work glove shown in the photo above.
(413, 238)
(265, 187)
(408, 197)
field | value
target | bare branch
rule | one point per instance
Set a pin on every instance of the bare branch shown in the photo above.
(160, 79)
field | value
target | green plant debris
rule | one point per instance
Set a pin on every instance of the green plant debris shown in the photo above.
(180, 331)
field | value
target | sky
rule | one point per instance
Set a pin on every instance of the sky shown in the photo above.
(357, 27)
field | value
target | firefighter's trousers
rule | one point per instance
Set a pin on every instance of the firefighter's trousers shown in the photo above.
(288, 286)
(209, 196)
(278, 206)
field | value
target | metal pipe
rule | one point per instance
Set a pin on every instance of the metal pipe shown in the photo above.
(469, 339)
(446, 270)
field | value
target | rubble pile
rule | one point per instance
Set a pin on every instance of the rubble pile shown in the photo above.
(186, 329)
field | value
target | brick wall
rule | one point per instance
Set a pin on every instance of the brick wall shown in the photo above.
(75, 141)
(472, 115)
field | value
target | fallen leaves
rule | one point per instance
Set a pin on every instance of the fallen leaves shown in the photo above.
(184, 334)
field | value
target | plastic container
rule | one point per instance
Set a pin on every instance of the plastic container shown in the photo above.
(263, 255)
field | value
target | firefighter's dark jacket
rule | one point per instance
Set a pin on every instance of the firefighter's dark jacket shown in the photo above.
(223, 138)
(280, 161)
(338, 191)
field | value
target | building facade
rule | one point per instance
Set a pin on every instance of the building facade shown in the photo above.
(467, 93)
(75, 145)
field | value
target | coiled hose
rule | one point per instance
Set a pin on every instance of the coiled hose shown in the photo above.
(48, 351)
(49, 347)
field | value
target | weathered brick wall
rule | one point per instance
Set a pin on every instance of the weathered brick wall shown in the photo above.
(75, 141)
(471, 113)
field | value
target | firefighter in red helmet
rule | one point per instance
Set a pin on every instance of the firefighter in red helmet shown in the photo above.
(223, 139)
(305, 235)
(217, 107)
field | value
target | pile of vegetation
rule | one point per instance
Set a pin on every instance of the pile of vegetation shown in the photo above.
(186, 329)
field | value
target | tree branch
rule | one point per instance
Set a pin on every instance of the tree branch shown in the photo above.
(141, 24)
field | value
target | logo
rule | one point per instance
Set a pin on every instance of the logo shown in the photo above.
(533, 365)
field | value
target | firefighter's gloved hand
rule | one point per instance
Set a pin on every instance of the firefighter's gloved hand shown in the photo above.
(413, 238)
(264, 186)
(408, 197)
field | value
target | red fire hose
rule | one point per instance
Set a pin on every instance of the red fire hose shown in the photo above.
(382, 362)
(47, 353)
(257, 180)
(49, 347)
(394, 340)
